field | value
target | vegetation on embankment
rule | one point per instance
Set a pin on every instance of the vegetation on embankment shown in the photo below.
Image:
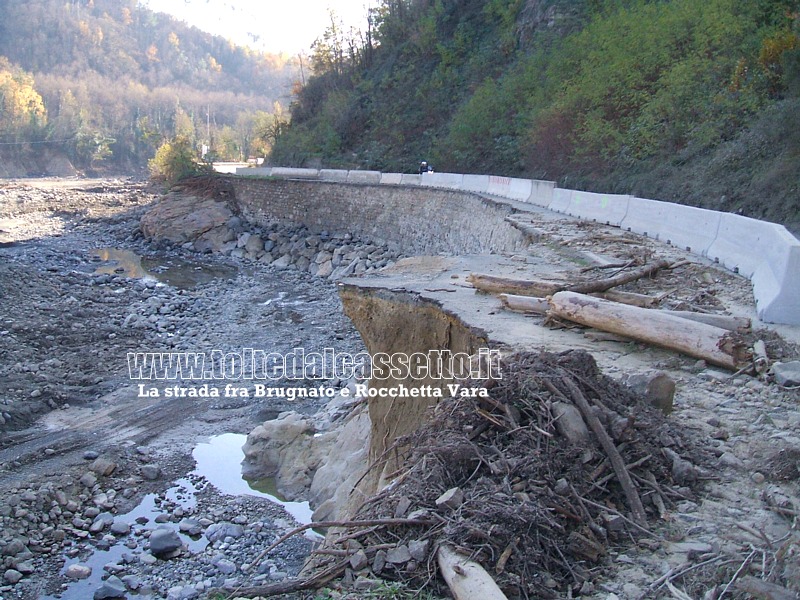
(694, 102)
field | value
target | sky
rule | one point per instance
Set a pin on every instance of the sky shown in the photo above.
(289, 26)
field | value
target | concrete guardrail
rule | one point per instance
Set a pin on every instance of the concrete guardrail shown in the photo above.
(610, 209)
(333, 174)
(254, 171)
(764, 252)
(687, 227)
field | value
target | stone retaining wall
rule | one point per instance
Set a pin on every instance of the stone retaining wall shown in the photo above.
(411, 219)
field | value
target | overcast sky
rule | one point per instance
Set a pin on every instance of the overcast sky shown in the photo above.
(273, 25)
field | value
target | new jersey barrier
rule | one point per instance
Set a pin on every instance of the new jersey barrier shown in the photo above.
(293, 173)
(452, 181)
(603, 208)
(687, 227)
(764, 252)
(333, 174)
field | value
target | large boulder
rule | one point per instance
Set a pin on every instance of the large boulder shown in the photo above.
(182, 217)
(317, 458)
(164, 541)
(284, 448)
(342, 466)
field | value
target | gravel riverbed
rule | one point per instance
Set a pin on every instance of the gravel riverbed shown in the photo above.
(80, 448)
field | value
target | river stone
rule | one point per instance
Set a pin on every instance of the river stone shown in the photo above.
(219, 531)
(570, 424)
(787, 374)
(255, 244)
(163, 541)
(398, 555)
(12, 576)
(88, 479)
(418, 549)
(657, 387)
(190, 526)
(359, 560)
(113, 587)
(224, 566)
(14, 547)
(25, 567)
(325, 269)
(151, 472)
(452, 498)
(283, 262)
(119, 527)
(77, 571)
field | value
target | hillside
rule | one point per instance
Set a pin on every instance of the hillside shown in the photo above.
(114, 78)
(671, 99)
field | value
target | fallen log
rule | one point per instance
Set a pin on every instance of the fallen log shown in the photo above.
(715, 345)
(466, 578)
(641, 300)
(540, 306)
(532, 287)
(526, 304)
(721, 321)
(521, 287)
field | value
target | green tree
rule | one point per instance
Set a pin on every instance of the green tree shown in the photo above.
(176, 159)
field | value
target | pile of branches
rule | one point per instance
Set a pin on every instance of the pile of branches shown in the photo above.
(206, 186)
(539, 512)
(535, 482)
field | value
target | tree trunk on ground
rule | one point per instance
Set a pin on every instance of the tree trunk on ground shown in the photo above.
(712, 344)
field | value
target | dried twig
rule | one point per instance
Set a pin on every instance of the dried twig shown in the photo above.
(635, 502)
(288, 587)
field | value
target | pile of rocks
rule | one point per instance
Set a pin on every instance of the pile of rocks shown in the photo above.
(40, 522)
(177, 544)
(210, 225)
(332, 256)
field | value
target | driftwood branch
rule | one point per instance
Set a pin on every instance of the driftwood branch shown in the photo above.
(287, 587)
(466, 578)
(362, 523)
(760, 357)
(601, 285)
(503, 285)
(635, 502)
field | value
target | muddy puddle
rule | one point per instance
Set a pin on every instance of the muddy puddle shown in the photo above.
(219, 463)
(170, 271)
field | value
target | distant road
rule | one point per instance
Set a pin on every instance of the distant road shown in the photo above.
(228, 167)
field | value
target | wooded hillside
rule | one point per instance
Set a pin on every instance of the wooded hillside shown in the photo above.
(107, 80)
(695, 102)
